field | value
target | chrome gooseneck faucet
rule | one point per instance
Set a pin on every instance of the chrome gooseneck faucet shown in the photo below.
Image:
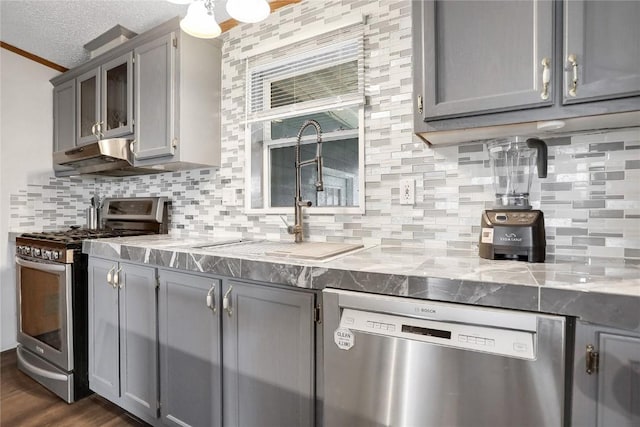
(298, 202)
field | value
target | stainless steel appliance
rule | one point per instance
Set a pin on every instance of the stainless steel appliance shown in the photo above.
(512, 230)
(52, 293)
(392, 361)
(110, 157)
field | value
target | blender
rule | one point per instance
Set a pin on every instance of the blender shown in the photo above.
(512, 230)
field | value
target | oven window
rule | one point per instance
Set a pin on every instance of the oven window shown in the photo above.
(41, 306)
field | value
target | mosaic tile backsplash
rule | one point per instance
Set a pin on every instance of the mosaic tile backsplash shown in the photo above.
(590, 199)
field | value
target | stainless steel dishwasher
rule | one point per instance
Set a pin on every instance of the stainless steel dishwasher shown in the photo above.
(391, 361)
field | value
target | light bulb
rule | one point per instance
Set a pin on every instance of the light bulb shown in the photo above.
(199, 22)
(250, 11)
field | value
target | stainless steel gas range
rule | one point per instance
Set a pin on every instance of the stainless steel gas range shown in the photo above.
(51, 273)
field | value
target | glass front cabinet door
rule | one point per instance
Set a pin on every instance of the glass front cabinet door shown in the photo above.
(105, 101)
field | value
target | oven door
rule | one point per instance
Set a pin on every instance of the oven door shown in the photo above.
(44, 301)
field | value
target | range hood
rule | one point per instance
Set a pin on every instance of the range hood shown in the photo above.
(111, 157)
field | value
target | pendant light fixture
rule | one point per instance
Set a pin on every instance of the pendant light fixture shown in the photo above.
(250, 11)
(200, 20)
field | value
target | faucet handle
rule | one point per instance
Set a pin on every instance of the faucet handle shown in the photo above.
(290, 228)
(306, 203)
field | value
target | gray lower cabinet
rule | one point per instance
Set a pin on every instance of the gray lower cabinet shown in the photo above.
(190, 349)
(230, 353)
(268, 356)
(609, 395)
(123, 349)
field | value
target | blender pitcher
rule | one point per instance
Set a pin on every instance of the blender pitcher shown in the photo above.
(512, 162)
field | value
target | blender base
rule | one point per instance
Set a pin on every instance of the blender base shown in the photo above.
(513, 235)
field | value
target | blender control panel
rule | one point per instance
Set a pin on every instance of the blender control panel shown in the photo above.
(513, 217)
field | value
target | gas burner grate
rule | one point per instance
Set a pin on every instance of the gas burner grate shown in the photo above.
(76, 235)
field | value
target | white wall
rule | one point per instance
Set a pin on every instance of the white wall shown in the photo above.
(26, 130)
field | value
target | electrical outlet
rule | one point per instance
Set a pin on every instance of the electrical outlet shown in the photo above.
(407, 192)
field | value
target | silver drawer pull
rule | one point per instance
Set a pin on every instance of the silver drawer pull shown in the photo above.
(546, 78)
(573, 63)
(116, 279)
(110, 276)
(226, 302)
(211, 299)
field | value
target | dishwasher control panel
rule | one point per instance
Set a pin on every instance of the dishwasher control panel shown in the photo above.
(489, 339)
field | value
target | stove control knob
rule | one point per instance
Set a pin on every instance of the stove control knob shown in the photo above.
(56, 255)
(46, 254)
(35, 251)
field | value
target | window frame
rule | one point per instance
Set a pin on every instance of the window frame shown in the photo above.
(267, 115)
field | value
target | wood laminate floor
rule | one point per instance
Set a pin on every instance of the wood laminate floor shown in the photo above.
(25, 403)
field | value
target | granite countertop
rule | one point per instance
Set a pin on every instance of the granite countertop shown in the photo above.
(605, 292)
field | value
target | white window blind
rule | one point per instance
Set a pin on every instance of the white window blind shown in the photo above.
(318, 74)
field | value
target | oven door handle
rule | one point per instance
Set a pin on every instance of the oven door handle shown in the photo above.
(39, 371)
(43, 266)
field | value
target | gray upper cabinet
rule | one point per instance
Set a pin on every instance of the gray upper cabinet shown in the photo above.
(88, 106)
(161, 90)
(481, 64)
(64, 116)
(177, 92)
(190, 349)
(123, 351)
(268, 354)
(482, 56)
(601, 50)
(105, 101)
(155, 94)
(609, 395)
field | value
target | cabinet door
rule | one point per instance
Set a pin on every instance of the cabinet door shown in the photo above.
(104, 366)
(601, 50)
(88, 106)
(64, 116)
(155, 81)
(190, 372)
(619, 381)
(116, 108)
(268, 356)
(138, 340)
(485, 56)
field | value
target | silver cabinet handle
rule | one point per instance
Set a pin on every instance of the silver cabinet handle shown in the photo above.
(211, 299)
(93, 129)
(116, 279)
(573, 63)
(99, 128)
(132, 148)
(546, 78)
(226, 302)
(110, 276)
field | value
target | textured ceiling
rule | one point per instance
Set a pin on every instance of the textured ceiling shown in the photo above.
(58, 30)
